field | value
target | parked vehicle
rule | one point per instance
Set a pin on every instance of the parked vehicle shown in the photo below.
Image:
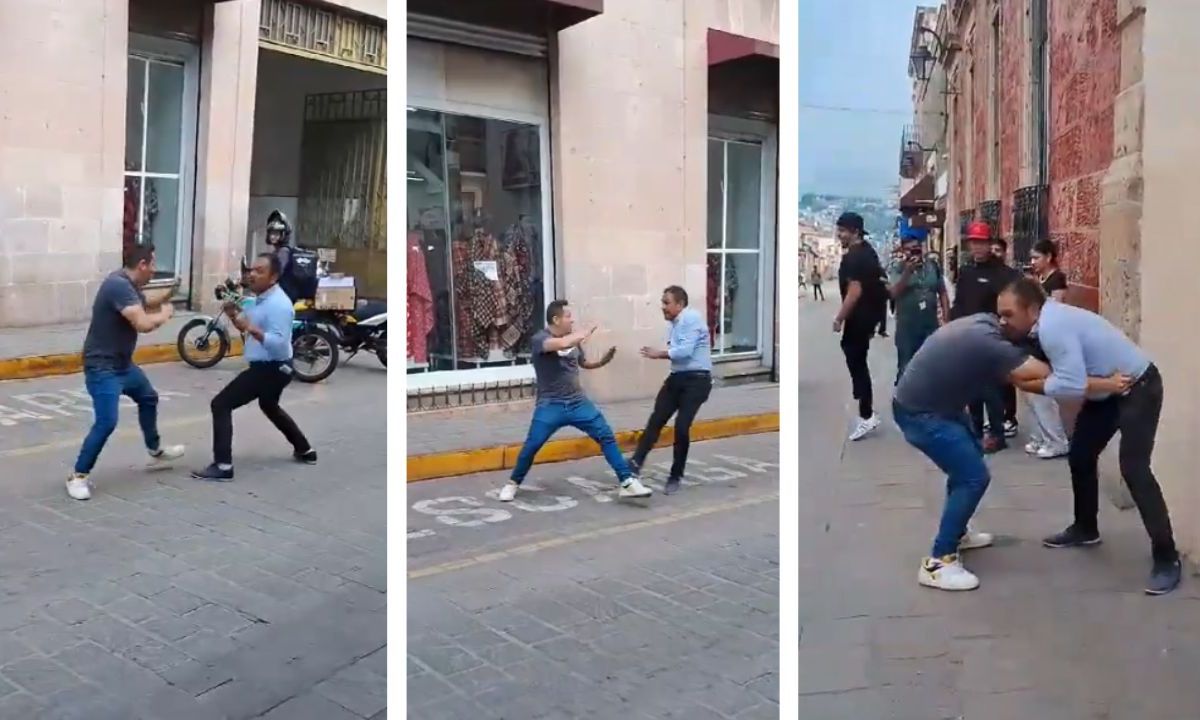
(363, 329)
(205, 341)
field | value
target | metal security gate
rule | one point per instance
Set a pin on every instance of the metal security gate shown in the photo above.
(343, 184)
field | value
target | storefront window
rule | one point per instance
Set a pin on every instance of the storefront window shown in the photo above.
(734, 245)
(475, 241)
(154, 159)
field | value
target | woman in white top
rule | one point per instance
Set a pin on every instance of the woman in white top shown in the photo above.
(1049, 436)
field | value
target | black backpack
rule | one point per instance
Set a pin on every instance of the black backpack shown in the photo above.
(299, 279)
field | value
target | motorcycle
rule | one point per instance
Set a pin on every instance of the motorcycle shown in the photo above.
(363, 329)
(211, 343)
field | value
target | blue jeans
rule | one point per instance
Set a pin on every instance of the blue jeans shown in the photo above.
(550, 417)
(951, 445)
(106, 388)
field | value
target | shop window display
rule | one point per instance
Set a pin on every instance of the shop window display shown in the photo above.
(475, 276)
(734, 245)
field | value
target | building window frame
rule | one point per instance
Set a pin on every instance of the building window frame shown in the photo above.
(502, 373)
(730, 130)
(165, 51)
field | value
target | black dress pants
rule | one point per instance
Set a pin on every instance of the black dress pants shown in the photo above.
(264, 382)
(681, 395)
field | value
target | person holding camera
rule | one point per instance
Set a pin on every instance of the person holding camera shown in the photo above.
(268, 330)
(916, 286)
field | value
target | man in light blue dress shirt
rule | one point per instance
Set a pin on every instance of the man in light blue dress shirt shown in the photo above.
(685, 389)
(1079, 344)
(268, 330)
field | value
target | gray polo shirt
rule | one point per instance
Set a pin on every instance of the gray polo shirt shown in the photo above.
(956, 365)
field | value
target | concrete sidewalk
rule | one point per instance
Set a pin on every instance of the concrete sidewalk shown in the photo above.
(47, 350)
(483, 439)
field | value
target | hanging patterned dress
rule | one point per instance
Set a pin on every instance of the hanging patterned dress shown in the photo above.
(420, 302)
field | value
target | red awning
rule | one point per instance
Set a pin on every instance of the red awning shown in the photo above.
(725, 47)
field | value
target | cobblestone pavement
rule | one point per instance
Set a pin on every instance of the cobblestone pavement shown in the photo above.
(168, 598)
(1052, 635)
(572, 604)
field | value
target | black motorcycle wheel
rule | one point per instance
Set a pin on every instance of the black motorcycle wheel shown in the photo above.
(381, 348)
(207, 348)
(314, 355)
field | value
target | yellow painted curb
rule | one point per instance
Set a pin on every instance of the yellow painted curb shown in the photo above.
(38, 366)
(503, 457)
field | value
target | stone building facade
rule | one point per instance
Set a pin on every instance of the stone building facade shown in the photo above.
(622, 146)
(130, 120)
(1043, 101)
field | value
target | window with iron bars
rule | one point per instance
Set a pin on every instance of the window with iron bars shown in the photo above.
(1030, 220)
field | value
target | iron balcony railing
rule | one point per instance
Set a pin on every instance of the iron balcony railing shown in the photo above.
(910, 153)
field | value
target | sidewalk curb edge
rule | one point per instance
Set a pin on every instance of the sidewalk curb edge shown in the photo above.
(39, 366)
(432, 466)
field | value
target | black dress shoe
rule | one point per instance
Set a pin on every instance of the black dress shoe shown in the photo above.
(1072, 537)
(1165, 577)
(215, 473)
(308, 458)
(671, 487)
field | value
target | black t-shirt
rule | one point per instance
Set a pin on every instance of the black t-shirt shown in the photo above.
(860, 264)
(110, 338)
(1056, 280)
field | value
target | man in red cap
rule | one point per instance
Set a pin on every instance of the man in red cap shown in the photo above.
(975, 291)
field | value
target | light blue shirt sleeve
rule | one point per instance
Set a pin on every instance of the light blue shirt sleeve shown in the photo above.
(277, 331)
(685, 338)
(1068, 376)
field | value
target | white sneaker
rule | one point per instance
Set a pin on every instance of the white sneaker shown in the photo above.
(633, 488)
(946, 573)
(1033, 447)
(79, 487)
(1049, 453)
(509, 491)
(864, 428)
(167, 454)
(973, 540)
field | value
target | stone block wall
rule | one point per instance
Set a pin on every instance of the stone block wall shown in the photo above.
(629, 113)
(1085, 64)
(62, 89)
(1085, 80)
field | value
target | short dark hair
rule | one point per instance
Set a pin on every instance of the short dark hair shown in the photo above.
(677, 294)
(555, 310)
(137, 254)
(1049, 248)
(1028, 291)
(273, 263)
(999, 241)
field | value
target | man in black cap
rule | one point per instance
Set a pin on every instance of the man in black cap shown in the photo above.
(864, 298)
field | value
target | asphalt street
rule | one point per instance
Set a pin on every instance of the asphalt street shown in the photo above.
(1050, 634)
(571, 603)
(168, 598)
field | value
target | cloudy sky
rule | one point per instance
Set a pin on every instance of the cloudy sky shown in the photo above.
(853, 54)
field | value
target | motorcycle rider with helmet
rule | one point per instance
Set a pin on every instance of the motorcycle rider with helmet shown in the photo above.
(279, 240)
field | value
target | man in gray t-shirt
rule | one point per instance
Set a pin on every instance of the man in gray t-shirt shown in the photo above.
(119, 313)
(557, 356)
(955, 364)
(557, 371)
